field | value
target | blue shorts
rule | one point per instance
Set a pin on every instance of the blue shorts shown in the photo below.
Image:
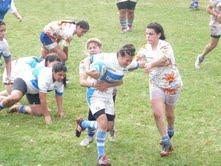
(47, 42)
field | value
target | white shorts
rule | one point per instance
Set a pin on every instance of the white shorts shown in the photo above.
(50, 46)
(215, 30)
(169, 99)
(100, 101)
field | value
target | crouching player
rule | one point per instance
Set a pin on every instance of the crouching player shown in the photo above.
(109, 68)
(35, 85)
(22, 65)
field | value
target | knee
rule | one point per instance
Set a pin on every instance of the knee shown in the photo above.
(103, 125)
(109, 127)
(157, 114)
(122, 13)
(130, 13)
(212, 45)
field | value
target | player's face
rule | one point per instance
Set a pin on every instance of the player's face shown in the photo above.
(59, 76)
(124, 61)
(93, 48)
(2, 31)
(80, 31)
(151, 36)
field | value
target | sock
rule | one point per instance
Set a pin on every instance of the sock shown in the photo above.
(101, 136)
(89, 124)
(21, 109)
(170, 132)
(166, 140)
(1, 106)
(91, 132)
(130, 23)
(123, 23)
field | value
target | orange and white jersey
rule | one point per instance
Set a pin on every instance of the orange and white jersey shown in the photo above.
(60, 30)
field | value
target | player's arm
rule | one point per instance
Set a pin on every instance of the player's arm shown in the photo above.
(8, 68)
(44, 107)
(93, 73)
(210, 10)
(59, 101)
(163, 60)
(14, 11)
(65, 49)
(103, 86)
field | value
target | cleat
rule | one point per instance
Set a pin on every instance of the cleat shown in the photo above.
(79, 129)
(167, 150)
(199, 60)
(130, 28)
(87, 141)
(103, 161)
(194, 6)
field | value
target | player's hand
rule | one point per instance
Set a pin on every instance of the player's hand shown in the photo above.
(147, 67)
(102, 86)
(8, 80)
(20, 18)
(48, 119)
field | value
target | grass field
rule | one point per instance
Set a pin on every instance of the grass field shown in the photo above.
(26, 140)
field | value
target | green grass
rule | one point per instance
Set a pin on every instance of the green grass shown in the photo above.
(26, 140)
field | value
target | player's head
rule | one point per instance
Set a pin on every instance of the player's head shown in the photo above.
(81, 28)
(51, 59)
(58, 71)
(125, 55)
(2, 30)
(93, 46)
(154, 32)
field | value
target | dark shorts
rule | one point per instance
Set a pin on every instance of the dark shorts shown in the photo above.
(20, 85)
(94, 117)
(126, 5)
(33, 98)
(45, 39)
(213, 36)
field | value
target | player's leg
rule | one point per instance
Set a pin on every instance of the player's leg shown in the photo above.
(122, 15)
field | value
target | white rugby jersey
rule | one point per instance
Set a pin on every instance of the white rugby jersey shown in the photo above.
(163, 49)
(41, 80)
(20, 66)
(159, 76)
(216, 4)
(113, 74)
(59, 30)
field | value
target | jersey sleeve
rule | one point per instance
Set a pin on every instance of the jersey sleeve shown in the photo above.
(133, 65)
(12, 8)
(59, 89)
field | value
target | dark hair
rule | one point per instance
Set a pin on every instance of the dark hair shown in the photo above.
(58, 67)
(2, 23)
(52, 58)
(157, 28)
(83, 25)
(127, 49)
